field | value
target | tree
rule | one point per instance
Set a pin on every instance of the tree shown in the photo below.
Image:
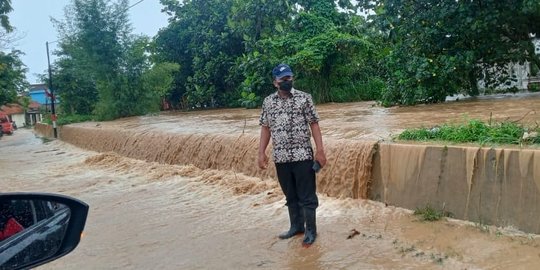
(442, 47)
(159, 79)
(12, 76)
(12, 69)
(329, 50)
(5, 8)
(8, 35)
(200, 41)
(258, 19)
(101, 65)
(75, 87)
(226, 50)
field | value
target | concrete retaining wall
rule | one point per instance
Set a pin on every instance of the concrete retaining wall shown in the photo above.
(490, 186)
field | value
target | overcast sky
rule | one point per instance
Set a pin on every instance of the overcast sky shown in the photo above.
(31, 18)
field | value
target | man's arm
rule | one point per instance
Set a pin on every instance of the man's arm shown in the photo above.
(265, 139)
(320, 156)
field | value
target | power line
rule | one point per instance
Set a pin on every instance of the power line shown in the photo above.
(124, 10)
(132, 5)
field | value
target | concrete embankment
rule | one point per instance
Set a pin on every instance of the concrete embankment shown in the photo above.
(484, 185)
(490, 186)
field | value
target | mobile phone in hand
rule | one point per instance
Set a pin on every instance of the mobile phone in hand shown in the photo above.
(316, 166)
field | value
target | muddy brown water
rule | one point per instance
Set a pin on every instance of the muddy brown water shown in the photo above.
(228, 140)
(155, 211)
(360, 120)
(147, 215)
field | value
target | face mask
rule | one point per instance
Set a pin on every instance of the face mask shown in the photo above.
(285, 85)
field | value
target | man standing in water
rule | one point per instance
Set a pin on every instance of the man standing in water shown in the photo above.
(287, 117)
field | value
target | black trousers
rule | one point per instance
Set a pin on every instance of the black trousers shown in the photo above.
(298, 182)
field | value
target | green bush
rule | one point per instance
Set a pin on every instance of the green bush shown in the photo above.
(429, 213)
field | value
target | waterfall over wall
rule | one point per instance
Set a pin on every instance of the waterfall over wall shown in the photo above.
(490, 186)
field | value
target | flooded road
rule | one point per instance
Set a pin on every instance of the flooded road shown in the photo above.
(146, 215)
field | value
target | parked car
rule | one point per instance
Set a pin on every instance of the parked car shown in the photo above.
(5, 124)
(37, 228)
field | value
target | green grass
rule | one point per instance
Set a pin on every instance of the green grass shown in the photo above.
(429, 213)
(475, 131)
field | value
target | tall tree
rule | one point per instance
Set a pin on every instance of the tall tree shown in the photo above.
(101, 61)
(74, 84)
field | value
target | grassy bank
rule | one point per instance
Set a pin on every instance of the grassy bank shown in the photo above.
(476, 131)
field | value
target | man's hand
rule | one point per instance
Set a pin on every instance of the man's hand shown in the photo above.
(320, 156)
(263, 161)
(265, 139)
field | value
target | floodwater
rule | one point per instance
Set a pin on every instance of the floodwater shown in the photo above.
(359, 120)
(162, 215)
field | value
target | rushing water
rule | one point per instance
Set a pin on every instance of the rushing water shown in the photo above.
(147, 215)
(361, 120)
(155, 211)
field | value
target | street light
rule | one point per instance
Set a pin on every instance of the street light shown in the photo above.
(53, 112)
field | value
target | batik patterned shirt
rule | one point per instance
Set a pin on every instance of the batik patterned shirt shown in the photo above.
(289, 121)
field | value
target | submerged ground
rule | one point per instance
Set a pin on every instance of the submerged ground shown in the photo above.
(147, 215)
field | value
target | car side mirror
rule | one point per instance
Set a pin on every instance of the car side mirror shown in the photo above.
(36, 228)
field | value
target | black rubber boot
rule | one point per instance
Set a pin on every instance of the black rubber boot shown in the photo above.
(311, 227)
(297, 223)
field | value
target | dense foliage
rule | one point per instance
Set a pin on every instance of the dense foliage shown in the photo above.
(406, 52)
(219, 53)
(443, 47)
(226, 50)
(12, 76)
(12, 69)
(102, 68)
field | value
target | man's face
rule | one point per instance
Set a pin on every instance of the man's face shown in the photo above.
(282, 79)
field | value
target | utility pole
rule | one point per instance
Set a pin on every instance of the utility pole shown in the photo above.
(53, 112)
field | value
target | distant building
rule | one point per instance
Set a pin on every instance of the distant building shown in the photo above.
(40, 93)
(520, 74)
(33, 115)
(536, 79)
(15, 113)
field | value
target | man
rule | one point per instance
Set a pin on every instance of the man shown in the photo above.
(287, 117)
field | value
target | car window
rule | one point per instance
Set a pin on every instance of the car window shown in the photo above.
(24, 212)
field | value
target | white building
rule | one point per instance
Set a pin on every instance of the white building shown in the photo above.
(521, 74)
